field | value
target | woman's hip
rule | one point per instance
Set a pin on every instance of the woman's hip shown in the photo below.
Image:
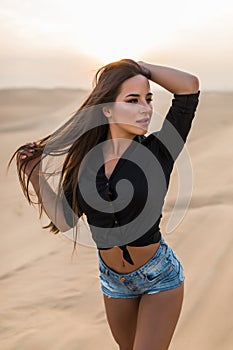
(163, 271)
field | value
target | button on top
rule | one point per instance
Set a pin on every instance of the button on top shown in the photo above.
(122, 279)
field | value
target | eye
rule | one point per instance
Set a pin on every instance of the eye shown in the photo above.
(133, 100)
(149, 99)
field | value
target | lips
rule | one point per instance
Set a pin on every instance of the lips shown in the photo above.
(143, 121)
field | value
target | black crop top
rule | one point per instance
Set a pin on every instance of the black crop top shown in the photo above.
(127, 208)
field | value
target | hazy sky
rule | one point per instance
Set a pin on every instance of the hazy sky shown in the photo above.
(50, 43)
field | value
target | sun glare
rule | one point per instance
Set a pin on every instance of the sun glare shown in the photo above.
(125, 29)
(107, 31)
(117, 47)
(122, 33)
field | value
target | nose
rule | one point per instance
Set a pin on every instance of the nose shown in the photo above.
(145, 109)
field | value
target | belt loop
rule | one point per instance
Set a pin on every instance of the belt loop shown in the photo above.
(106, 271)
(140, 274)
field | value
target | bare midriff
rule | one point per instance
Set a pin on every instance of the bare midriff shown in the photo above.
(113, 257)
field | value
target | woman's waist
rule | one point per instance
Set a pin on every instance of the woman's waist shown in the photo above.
(140, 255)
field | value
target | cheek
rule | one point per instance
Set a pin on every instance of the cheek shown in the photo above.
(124, 112)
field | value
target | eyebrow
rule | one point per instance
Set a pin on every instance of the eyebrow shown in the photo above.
(137, 95)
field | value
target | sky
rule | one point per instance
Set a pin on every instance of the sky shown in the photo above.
(61, 43)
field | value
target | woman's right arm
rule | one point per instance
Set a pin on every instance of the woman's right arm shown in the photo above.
(54, 208)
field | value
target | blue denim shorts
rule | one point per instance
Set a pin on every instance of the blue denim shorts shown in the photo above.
(162, 272)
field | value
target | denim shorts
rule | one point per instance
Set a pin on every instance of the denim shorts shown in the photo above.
(162, 272)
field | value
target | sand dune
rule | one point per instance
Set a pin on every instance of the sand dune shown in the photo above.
(49, 301)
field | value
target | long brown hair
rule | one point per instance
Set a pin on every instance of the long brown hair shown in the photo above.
(106, 87)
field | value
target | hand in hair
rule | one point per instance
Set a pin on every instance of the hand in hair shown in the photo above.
(28, 158)
(145, 69)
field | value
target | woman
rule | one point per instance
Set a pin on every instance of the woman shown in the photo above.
(118, 178)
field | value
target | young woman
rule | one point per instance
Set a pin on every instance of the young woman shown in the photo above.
(118, 178)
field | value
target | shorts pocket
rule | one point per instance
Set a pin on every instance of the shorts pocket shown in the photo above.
(158, 270)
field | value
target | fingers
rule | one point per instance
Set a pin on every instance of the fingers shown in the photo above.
(25, 154)
(31, 144)
(145, 69)
(27, 151)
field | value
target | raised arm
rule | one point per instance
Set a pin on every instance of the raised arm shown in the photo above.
(173, 80)
(171, 137)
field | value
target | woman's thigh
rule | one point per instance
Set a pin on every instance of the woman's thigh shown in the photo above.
(122, 318)
(158, 315)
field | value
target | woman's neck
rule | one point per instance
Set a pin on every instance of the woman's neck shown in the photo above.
(117, 143)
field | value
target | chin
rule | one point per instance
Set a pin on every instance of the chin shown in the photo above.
(142, 131)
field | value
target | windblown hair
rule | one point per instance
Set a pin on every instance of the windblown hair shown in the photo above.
(106, 87)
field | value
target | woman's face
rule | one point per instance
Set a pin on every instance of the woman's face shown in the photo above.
(131, 113)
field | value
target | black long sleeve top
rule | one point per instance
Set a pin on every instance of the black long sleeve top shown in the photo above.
(126, 209)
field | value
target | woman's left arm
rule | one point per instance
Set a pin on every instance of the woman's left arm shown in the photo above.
(171, 79)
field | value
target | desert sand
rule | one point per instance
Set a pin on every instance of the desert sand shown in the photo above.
(50, 301)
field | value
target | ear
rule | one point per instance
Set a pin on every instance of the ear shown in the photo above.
(107, 111)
